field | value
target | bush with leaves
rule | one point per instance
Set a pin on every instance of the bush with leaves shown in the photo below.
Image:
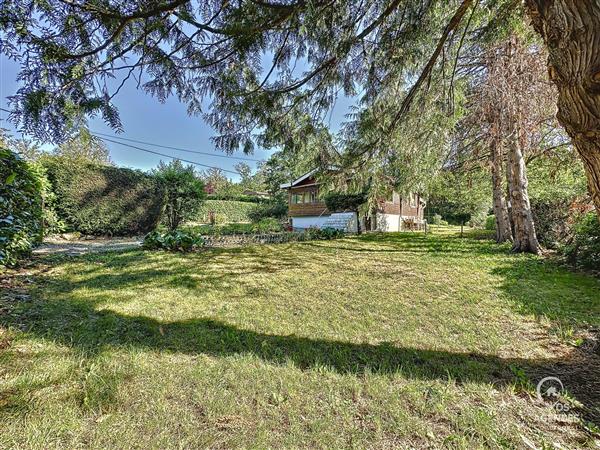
(224, 211)
(176, 240)
(267, 225)
(584, 251)
(337, 202)
(104, 200)
(20, 207)
(184, 192)
(324, 234)
(490, 222)
(274, 208)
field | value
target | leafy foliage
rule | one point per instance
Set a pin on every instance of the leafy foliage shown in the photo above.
(20, 207)
(184, 192)
(225, 211)
(337, 202)
(84, 148)
(105, 200)
(460, 197)
(267, 225)
(175, 240)
(276, 207)
(235, 197)
(324, 234)
(584, 251)
(556, 182)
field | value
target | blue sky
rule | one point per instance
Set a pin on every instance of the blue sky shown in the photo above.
(145, 118)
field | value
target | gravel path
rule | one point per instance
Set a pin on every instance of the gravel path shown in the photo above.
(59, 246)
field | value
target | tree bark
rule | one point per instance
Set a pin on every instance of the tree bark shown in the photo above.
(525, 238)
(503, 228)
(571, 32)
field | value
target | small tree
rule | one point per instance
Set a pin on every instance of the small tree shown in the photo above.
(184, 192)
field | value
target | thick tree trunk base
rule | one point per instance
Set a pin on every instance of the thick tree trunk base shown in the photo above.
(590, 154)
(571, 32)
(525, 238)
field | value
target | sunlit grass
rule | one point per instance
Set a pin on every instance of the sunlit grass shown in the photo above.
(383, 340)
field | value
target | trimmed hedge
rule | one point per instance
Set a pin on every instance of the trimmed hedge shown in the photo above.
(21, 185)
(225, 211)
(237, 198)
(105, 200)
(275, 208)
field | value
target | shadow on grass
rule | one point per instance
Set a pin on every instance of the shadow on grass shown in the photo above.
(206, 270)
(534, 285)
(90, 331)
(415, 242)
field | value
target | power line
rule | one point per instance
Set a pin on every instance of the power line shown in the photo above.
(167, 156)
(177, 148)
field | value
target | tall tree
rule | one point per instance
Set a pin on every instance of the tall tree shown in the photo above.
(512, 105)
(571, 31)
(214, 51)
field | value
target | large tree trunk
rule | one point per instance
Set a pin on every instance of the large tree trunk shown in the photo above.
(503, 229)
(571, 31)
(525, 238)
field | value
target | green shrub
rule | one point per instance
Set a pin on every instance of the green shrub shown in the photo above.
(551, 217)
(478, 219)
(490, 222)
(224, 211)
(344, 202)
(584, 250)
(268, 225)
(275, 208)
(184, 192)
(324, 234)
(436, 220)
(105, 200)
(237, 198)
(20, 207)
(177, 241)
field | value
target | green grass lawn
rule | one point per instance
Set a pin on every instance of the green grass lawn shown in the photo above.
(397, 340)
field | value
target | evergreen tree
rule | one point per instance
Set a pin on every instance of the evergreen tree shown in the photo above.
(272, 70)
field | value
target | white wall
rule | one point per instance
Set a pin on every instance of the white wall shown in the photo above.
(353, 224)
(388, 222)
(300, 223)
(308, 221)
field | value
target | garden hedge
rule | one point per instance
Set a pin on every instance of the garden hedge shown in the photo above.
(21, 186)
(226, 211)
(105, 200)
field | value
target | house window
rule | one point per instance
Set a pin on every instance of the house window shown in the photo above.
(413, 200)
(297, 198)
(312, 197)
